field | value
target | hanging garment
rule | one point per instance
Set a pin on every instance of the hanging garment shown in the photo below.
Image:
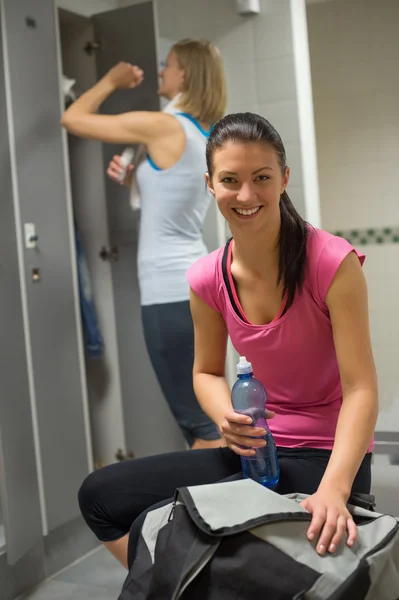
(91, 331)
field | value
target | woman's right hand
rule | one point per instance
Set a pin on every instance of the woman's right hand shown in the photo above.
(125, 76)
(240, 436)
(115, 170)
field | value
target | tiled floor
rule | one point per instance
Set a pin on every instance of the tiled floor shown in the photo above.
(100, 577)
(96, 577)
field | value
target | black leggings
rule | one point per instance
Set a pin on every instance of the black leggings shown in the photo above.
(114, 500)
(169, 336)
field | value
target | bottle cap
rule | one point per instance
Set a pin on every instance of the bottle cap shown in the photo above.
(243, 366)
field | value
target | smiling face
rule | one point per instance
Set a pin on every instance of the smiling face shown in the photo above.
(247, 182)
(171, 76)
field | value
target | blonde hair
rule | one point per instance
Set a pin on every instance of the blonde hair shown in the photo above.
(204, 93)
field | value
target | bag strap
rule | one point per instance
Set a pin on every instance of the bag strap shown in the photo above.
(366, 501)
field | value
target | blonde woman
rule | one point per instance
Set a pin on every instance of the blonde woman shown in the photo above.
(174, 203)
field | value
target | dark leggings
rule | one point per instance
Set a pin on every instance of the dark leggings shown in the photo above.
(169, 336)
(115, 499)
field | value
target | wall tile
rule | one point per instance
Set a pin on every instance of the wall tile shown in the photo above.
(354, 26)
(384, 31)
(356, 110)
(241, 84)
(271, 7)
(297, 197)
(273, 36)
(88, 7)
(388, 418)
(284, 117)
(234, 106)
(294, 161)
(321, 20)
(237, 44)
(389, 402)
(179, 19)
(276, 79)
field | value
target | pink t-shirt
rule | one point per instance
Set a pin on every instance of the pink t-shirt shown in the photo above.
(294, 356)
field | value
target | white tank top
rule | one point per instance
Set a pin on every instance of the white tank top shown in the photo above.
(174, 203)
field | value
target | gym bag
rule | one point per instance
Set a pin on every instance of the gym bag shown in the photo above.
(240, 541)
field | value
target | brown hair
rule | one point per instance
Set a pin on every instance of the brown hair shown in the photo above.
(204, 93)
(242, 128)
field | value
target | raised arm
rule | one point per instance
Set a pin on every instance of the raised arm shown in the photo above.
(143, 127)
(210, 384)
(348, 307)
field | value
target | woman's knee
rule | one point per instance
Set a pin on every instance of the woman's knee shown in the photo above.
(89, 494)
(108, 502)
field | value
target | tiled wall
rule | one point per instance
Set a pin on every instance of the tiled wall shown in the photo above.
(354, 53)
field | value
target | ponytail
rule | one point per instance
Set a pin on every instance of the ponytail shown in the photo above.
(292, 250)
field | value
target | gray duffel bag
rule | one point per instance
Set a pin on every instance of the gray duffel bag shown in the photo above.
(240, 541)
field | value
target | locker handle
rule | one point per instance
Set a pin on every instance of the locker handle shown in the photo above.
(110, 255)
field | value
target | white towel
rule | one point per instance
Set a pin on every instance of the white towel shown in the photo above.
(67, 85)
(141, 154)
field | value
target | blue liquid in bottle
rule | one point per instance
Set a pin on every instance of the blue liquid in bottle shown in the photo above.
(249, 398)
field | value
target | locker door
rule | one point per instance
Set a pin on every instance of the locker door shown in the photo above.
(89, 203)
(63, 441)
(19, 492)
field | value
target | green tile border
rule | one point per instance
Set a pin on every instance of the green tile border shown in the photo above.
(364, 237)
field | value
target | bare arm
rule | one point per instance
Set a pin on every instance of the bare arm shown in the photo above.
(210, 384)
(348, 307)
(210, 335)
(144, 127)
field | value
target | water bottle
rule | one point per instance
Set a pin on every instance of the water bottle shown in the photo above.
(126, 159)
(249, 398)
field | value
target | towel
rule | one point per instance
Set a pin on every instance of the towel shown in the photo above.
(67, 90)
(141, 154)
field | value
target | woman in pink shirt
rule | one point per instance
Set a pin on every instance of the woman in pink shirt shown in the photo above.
(293, 299)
